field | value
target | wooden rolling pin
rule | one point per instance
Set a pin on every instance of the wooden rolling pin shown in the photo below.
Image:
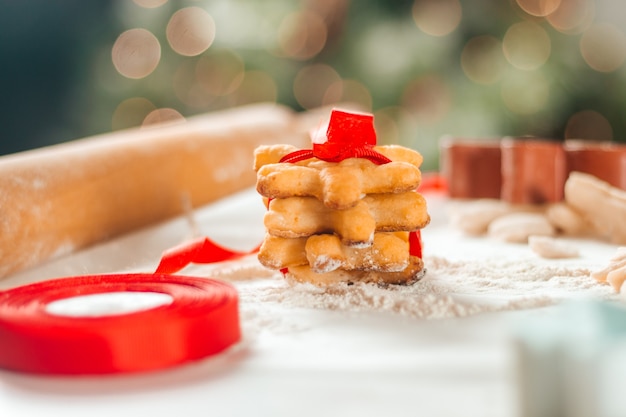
(61, 198)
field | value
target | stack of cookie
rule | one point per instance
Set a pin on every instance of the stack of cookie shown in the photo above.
(343, 221)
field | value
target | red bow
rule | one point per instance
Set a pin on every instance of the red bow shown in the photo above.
(349, 135)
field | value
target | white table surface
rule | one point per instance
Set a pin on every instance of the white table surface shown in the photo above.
(293, 359)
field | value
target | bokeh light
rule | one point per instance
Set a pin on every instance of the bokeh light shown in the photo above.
(190, 31)
(163, 115)
(220, 73)
(526, 45)
(187, 88)
(539, 7)
(482, 59)
(131, 113)
(603, 47)
(437, 17)
(256, 87)
(311, 84)
(588, 124)
(428, 99)
(136, 53)
(572, 16)
(302, 35)
(348, 91)
(426, 68)
(386, 50)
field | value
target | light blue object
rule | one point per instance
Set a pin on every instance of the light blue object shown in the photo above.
(572, 361)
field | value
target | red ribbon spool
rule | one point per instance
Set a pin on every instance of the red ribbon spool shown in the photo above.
(202, 320)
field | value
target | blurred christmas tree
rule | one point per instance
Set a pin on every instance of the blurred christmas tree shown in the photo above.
(426, 68)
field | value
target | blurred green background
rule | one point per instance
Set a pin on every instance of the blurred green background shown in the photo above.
(425, 68)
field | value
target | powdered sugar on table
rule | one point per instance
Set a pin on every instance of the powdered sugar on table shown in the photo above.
(465, 275)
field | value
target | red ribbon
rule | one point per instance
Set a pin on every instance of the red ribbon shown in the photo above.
(349, 135)
(415, 243)
(202, 320)
(201, 250)
(320, 152)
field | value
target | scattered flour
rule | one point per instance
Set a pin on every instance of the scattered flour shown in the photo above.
(449, 289)
(465, 276)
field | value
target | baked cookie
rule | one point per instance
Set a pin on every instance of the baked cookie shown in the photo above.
(344, 211)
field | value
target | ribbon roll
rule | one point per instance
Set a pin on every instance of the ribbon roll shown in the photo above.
(201, 320)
